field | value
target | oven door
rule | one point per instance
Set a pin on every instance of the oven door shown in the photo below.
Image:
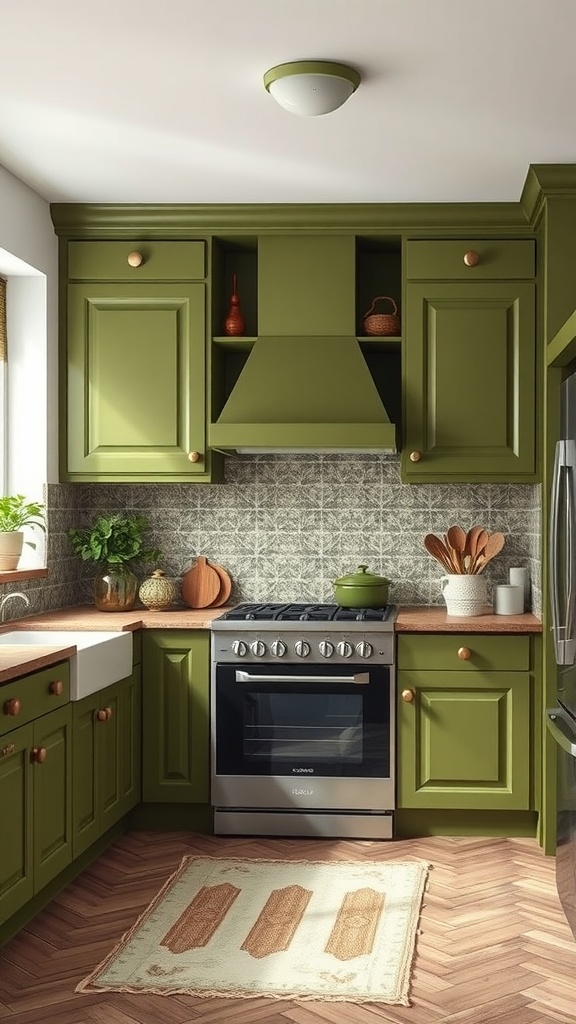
(302, 724)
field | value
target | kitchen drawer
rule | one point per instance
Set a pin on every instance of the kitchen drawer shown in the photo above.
(444, 261)
(162, 261)
(34, 695)
(440, 651)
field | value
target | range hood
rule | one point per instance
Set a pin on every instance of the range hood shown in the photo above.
(307, 394)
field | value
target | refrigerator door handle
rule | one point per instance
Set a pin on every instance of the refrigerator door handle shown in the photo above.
(562, 729)
(562, 509)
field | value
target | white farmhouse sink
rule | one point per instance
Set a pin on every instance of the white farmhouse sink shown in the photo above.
(100, 659)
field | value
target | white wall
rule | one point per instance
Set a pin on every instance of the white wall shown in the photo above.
(29, 260)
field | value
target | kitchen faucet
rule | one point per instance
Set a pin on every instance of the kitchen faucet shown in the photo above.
(7, 598)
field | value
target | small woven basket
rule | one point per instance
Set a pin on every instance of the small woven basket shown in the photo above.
(382, 324)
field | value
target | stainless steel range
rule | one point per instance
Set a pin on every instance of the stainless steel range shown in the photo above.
(302, 721)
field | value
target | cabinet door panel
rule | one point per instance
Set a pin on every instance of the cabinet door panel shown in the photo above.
(52, 796)
(136, 360)
(85, 785)
(16, 851)
(469, 381)
(108, 736)
(175, 717)
(465, 740)
(130, 737)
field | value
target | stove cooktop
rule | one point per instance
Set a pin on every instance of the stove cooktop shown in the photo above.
(305, 613)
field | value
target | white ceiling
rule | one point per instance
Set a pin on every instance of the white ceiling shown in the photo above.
(145, 101)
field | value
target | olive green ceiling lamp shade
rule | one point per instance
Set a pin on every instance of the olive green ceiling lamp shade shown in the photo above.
(311, 87)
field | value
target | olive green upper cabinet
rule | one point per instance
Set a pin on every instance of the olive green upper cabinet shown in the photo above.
(135, 362)
(306, 285)
(469, 361)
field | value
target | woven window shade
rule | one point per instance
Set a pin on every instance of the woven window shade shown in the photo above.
(3, 338)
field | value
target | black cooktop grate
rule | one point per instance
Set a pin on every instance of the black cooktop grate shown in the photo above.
(305, 613)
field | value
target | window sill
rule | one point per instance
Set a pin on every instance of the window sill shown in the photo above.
(22, 574)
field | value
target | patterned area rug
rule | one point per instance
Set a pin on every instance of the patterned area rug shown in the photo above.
(286, 929)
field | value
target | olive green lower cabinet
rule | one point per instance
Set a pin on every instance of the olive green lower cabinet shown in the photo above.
(176, 716)
(465, 709)
(106, 759)
(35, 784)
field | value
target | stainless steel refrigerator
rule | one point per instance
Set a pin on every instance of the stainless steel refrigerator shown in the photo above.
(561, 719)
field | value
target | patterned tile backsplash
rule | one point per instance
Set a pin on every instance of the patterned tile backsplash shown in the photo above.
(286, 526)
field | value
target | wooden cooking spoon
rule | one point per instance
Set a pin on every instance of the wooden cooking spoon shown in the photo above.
(457, 540)
(435, 547)
(481, 542)
(493, 547)
(471, 540)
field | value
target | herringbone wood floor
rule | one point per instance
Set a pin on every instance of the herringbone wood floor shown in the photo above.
(494, 944)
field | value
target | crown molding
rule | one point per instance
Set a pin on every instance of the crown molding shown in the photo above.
(128, 220)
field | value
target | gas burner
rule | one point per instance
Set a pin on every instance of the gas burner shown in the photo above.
(305, 613)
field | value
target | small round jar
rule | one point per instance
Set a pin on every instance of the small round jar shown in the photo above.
(157, 592)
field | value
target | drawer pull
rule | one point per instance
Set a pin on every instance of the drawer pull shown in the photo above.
(135, 259)
(472, 258)
(56, 688)
(408, 696)
(415, 456)
(9, 749)
(39, 755)
(464, 653)
(194, 456)
(13, 707)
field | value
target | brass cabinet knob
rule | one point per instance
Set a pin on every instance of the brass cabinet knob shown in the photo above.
(464, 653)
(39, 754)
(101, 715)
(13, 707)
(108, 713)
(415, 456)
(472, 258)
(135, 259)
(194, 456)
(408, 696)
(56, 688)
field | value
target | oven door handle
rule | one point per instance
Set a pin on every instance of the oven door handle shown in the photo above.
(246, 677)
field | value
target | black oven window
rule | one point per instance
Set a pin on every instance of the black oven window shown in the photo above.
(311, 727)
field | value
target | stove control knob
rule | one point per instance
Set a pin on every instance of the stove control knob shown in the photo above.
(278, 648)
(302, 648)
(239, 648)
(344, 649)
(258, 649)
(364, 649)
(326, 648)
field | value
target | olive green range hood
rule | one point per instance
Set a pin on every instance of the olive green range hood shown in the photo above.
(307, 394)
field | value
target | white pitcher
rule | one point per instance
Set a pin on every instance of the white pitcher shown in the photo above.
(464, 595)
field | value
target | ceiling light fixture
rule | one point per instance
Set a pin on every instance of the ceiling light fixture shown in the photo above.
(311, 87)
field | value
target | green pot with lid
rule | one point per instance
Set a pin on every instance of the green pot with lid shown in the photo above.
(361, 589)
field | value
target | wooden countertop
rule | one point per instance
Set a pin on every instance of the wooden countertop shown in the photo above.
(20, 660)
(435, 619)
(88, 617)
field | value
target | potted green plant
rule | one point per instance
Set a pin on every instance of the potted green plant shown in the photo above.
(15, 514)
(114, 543)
